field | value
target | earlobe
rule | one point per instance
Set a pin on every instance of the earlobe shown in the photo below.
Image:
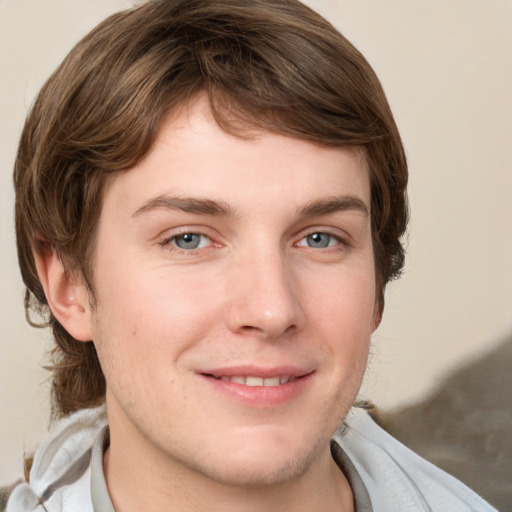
(66, 295)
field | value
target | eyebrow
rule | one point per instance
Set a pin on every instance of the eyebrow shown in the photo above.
(186, 204)
(334, 204)
(212, 207)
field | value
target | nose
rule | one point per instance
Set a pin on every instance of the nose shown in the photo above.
(265, 298)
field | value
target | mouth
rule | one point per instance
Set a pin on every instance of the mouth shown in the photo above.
(258, 387)
(253, 381)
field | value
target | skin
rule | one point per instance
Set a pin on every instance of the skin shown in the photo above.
(283, 275)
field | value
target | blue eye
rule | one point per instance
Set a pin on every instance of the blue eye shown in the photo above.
(189, 241)
(319, 240)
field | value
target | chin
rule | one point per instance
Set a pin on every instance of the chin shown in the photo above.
(256, 473)
(260, 463)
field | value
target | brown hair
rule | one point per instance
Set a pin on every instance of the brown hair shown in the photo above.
(270, 64)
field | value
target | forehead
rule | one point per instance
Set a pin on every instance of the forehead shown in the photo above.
(194, 156)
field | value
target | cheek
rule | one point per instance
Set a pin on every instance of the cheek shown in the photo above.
(346, 305)
(151, 309)
(343, 320)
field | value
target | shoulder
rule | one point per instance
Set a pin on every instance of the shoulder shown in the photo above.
(395, 477)
(5, 492)
(60, 470)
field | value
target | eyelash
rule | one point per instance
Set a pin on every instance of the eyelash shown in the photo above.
(168, 242)
(341, 242)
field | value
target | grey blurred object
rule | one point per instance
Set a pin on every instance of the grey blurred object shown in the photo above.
(465, 425)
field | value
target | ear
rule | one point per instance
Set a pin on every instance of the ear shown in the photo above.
(67, 297)
(377, 315)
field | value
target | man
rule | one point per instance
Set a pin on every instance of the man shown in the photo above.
(210, 197)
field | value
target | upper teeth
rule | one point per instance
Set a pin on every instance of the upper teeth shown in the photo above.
(259, 381)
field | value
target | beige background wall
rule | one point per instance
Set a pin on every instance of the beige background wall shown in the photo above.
(446, 68)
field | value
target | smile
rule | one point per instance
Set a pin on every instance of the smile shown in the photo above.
(258, 387)
(257, 381)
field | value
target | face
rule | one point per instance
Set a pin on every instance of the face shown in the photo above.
(235, 293)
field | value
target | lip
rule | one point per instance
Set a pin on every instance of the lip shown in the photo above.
(258, 396)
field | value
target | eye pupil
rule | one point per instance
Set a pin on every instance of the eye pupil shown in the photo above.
(318, 240)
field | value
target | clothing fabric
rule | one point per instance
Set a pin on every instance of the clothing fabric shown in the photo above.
(67, 472)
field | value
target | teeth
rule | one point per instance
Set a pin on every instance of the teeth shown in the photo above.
(258, 381)
(273, 381)
(254, 381)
